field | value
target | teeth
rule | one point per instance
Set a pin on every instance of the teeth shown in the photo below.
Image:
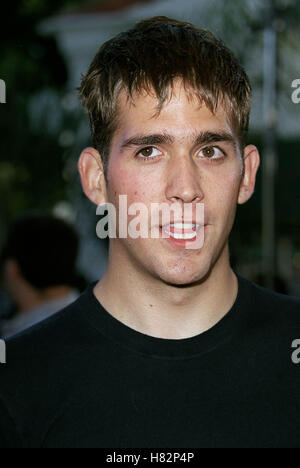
(185, 236)
(183, 226)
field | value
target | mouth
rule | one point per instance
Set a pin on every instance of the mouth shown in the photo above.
(182, 235)
(181, 231)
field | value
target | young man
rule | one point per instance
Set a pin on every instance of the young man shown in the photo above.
(170, 348)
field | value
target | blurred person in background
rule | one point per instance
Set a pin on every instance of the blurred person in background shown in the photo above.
(38, 268)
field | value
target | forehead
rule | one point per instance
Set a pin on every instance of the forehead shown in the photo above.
(182, 114)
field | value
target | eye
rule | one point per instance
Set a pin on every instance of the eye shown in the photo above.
(212, 153)
(149, 152)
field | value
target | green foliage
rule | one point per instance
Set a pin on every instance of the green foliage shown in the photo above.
(31, 162)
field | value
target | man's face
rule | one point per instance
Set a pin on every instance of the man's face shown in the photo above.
(185, 154)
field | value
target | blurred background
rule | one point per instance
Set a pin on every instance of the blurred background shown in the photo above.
(45, 48)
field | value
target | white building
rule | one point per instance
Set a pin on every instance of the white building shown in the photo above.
(81, 32)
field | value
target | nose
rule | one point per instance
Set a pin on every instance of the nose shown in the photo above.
(183, 181)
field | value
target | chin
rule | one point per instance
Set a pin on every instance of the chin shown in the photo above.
(184, 278)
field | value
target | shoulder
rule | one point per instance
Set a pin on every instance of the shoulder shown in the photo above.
(46, 337)
(42, 365)
(48, 348)
(281, 304)
(269, 310)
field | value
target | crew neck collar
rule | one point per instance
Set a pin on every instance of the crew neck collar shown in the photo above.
(164, 348)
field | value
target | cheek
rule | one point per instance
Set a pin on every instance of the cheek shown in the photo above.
(125, 181)
(224, 190)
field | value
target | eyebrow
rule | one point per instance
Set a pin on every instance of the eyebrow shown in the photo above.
(201, 138)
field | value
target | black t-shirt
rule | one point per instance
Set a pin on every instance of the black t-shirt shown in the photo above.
(84, 379)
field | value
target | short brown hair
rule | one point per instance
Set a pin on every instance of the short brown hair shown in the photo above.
(149, 57)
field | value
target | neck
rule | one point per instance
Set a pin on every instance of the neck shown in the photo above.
(168, 311)
(29, 298)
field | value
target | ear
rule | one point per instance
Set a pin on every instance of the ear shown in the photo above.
(11, 270)
(91, 172)
(251, 165)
